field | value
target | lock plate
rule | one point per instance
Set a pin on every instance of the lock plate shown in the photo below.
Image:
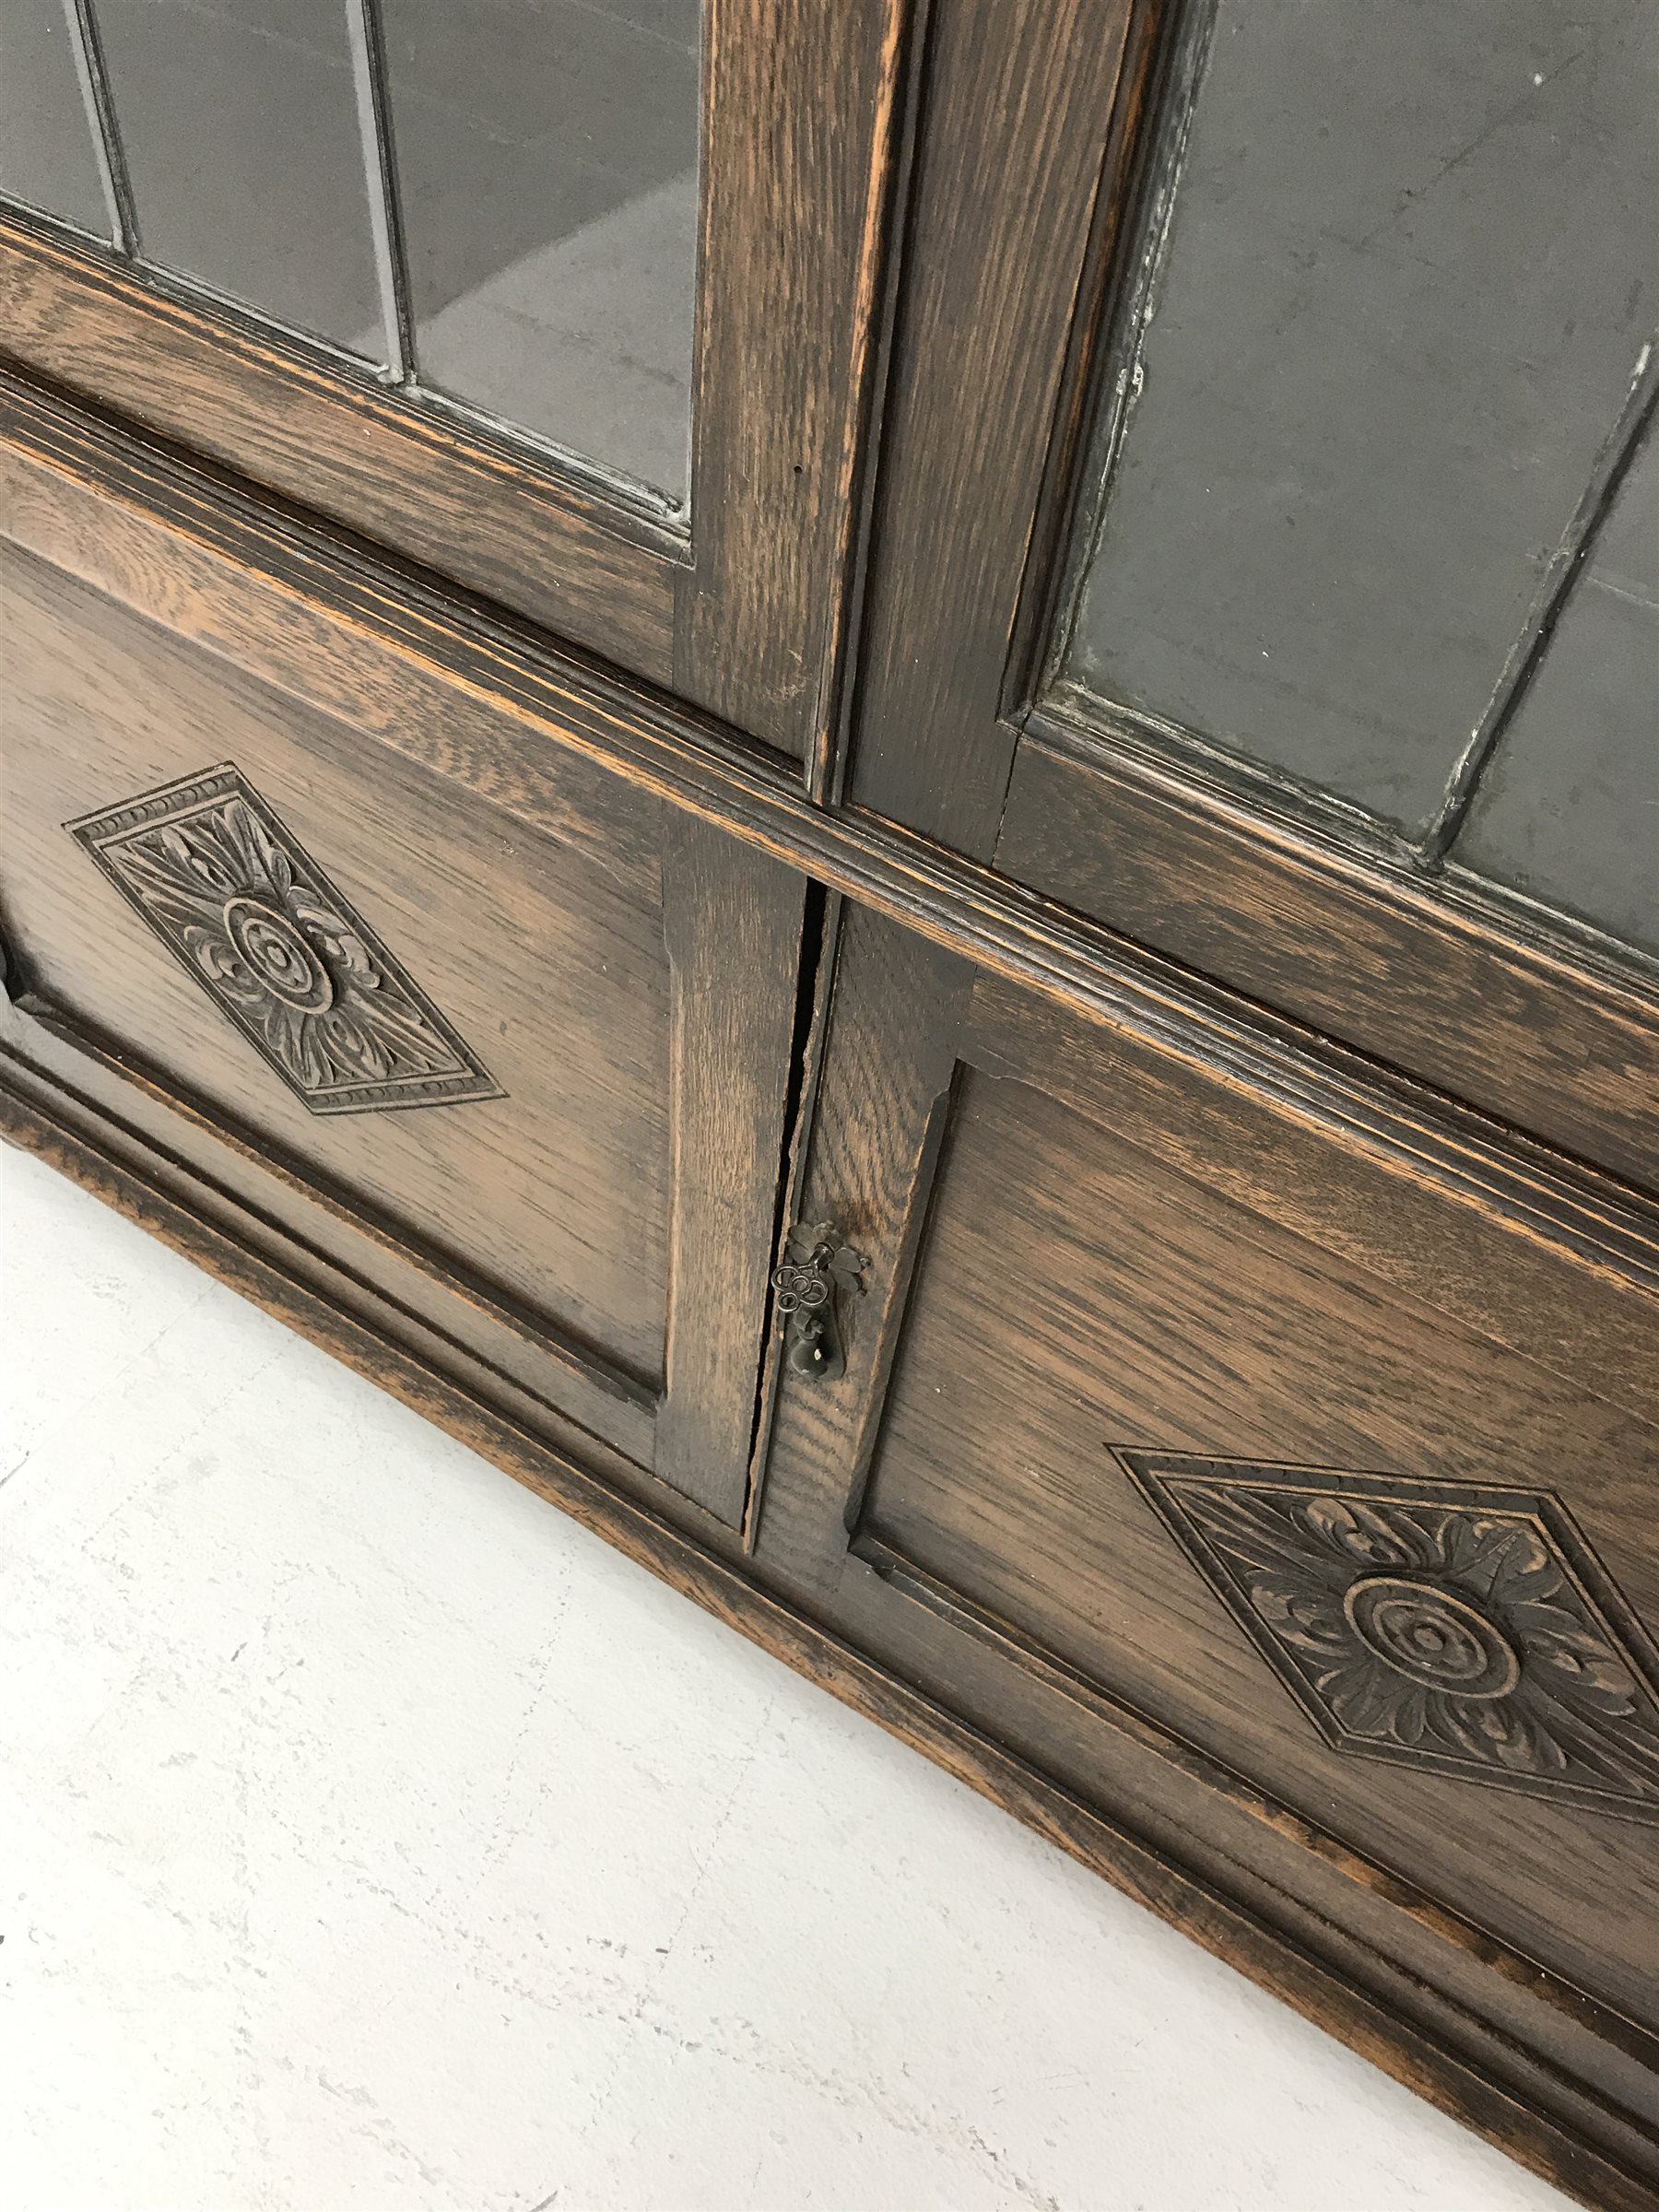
(817, 1263)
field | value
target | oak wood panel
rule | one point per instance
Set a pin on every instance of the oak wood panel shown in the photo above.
(1522, 1248)
(1005, 181)
(1564, 2042)
(559, 980)
(999, 364)
(1074, 1297)
(737, 608)
(733, 926)
(406, 1285)
(821, 941)
(876, 1139)
(1569, 2036)
(380, 1278)
(1515, 1023)
(1453, 2059)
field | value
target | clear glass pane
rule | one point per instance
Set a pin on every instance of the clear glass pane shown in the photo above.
(1411, 268)
(239, 122)
(546, 160)
(1569, 809)
(48, 155)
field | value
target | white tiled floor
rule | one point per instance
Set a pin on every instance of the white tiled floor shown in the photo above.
(371, 1836)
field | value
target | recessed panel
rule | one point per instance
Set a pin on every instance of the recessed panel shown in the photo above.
(1400, 1578)
(455, 1023)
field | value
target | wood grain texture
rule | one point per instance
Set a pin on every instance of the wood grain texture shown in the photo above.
(334, 1227)
(1520, 1027)
(602, 1220)
(1076, 1300)
(425, 1310)
(799, 130)
(1521, 1248)
(534, 733)
(1121, 1223)
(1073, 1291)
(740, 611)
(1265, 1937)
(999, 371)
(1015, 126)
(824, 914)
(732, 926)
(875, 1137)
(558, 1189)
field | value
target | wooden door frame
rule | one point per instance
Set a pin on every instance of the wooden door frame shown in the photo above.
(736, 608)
(1036, 161)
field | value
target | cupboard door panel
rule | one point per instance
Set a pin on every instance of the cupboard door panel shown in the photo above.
(486, 1051)
(1208, 1406)
(1094, 1342)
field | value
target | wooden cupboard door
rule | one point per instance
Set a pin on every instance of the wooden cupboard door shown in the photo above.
(574, 305)
(1287, 602)
(495, 1052)
(1268, 1455)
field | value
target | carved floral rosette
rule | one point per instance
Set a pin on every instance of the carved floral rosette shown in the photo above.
(230, 893)
(1463, 1631)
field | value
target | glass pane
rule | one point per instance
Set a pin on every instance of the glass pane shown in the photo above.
(546, 160)
(1411, 268)
(48, 157)
(1569, 809)
(239, 122)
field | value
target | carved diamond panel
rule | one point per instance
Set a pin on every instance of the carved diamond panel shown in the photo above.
(234, 897)
(1463, 1631)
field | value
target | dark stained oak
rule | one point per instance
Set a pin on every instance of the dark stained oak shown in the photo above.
(1094, 1255)
(1499, 1013)
(607, 1155)
(479, 915)
(506, 530)
(1018, 332)
(733, 929)
(1008, 167)
(1086, 1304)
(530, 729)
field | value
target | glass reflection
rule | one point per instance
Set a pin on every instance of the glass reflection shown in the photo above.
(546, 162)
(240, 124)
(494, 201)
(1569, 809)
(48, 150)
(1411, 268)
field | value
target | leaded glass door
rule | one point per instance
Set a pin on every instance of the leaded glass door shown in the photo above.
(1302, 621)
(570, 303)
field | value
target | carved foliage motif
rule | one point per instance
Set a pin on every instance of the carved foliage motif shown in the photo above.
(210, 868)
(1463, 1631)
